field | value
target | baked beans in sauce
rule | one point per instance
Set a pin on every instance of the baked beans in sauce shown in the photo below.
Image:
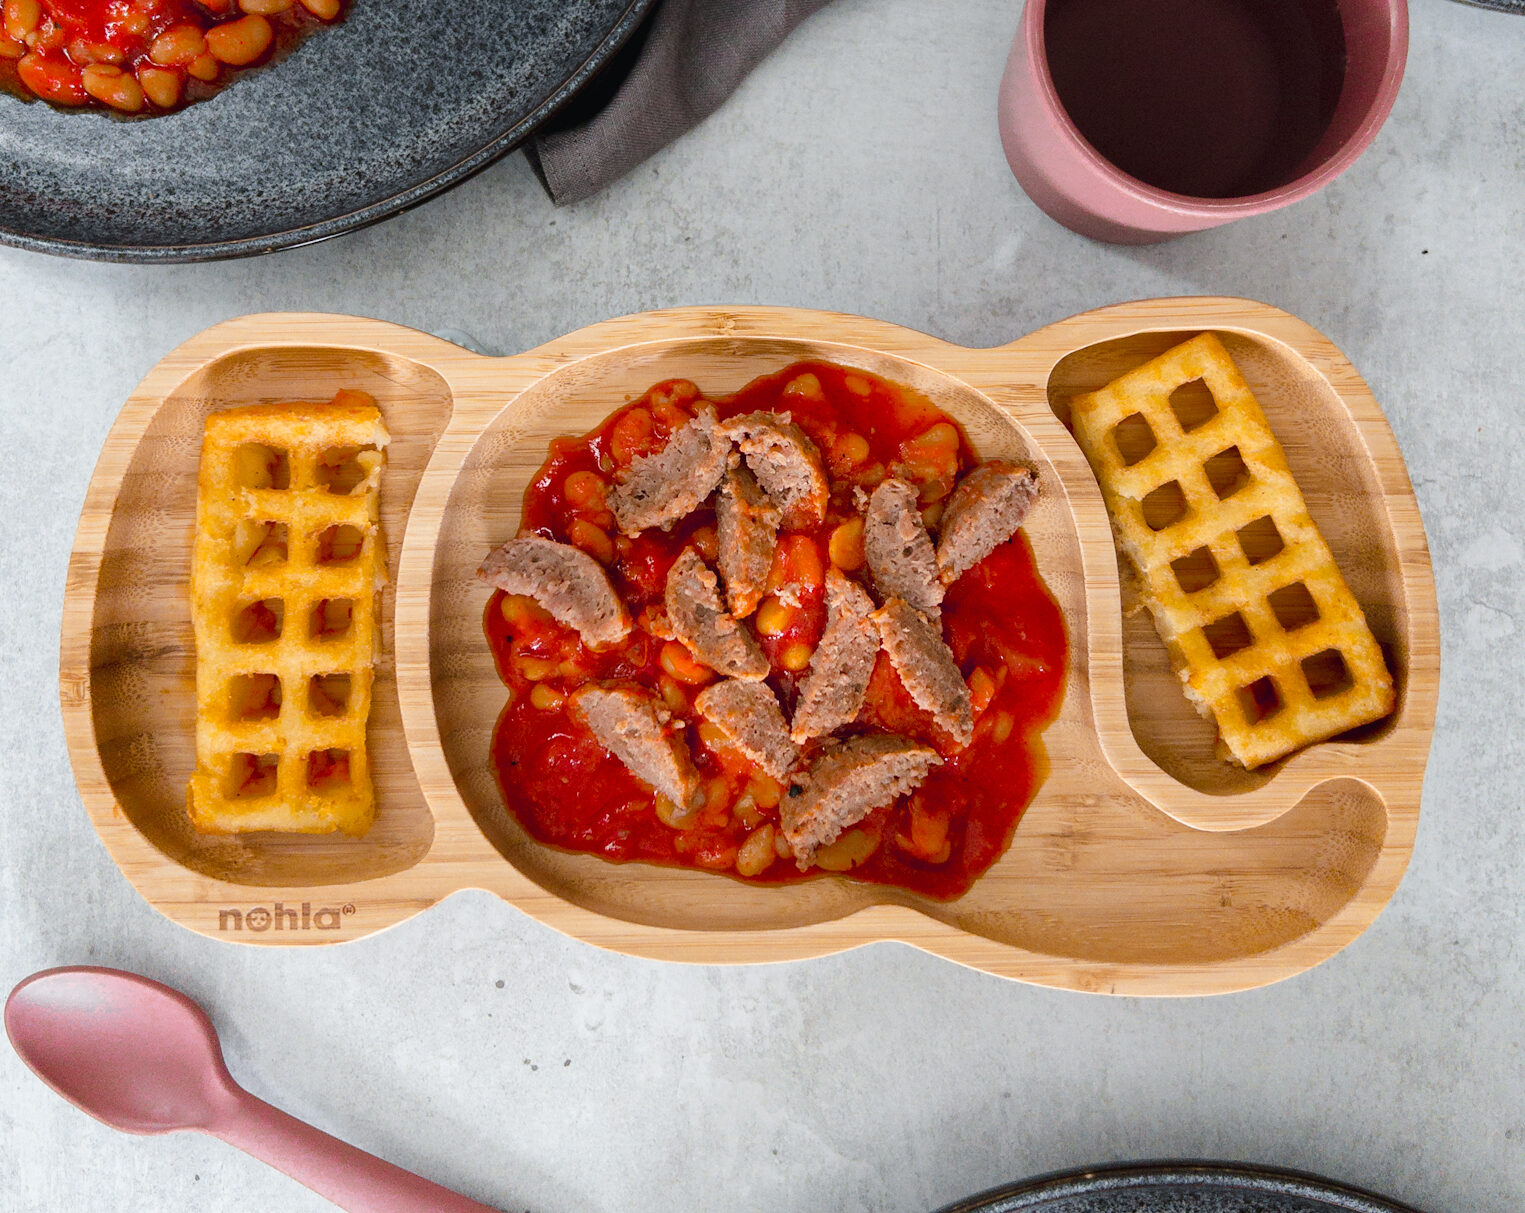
(144, 56)
(999, 619)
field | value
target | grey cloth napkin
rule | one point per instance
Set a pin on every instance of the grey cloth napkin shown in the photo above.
(686, 59)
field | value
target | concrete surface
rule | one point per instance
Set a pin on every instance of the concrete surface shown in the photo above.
(858, 170)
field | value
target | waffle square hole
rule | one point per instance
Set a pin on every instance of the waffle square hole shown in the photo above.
(332, 618)
(342, 469)
(1327, 673)
(1134, 438)
(256, 466)
(1195, 570)
(1228, 635)
(1260, 700)
(1293, 606)
(1227, 472)
(328, 769)
(252, 775)
(1260, 540)
(340, 544)
(259, 622)
(254, 697)
(257, 544)
(1193, 405)
(328, 694)
(1164, 507)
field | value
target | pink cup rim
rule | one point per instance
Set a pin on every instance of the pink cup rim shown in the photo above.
(1360, 138)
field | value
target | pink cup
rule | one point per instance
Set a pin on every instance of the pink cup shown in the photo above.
(1076, 186)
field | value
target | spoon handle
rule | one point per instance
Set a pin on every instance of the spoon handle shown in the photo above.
(351, 1178)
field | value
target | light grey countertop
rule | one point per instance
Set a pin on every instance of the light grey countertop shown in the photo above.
(858, 170)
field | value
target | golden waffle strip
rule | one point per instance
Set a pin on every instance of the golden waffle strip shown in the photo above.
(237, 563)
(1223, 686)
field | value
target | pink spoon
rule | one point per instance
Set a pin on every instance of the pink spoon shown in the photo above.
(145, 1059)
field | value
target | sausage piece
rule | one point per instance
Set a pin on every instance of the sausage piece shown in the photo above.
(566, 581)
(699, 619)
(847, 782)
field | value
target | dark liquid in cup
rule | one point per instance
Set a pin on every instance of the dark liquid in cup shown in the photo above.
(1211, 98)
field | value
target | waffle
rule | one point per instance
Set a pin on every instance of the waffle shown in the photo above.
(287, 534)
(1276, 666)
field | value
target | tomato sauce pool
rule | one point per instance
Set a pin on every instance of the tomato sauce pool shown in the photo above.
(999, 619)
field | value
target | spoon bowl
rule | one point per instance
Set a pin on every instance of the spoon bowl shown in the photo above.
(136, 1054)
(144, 1058)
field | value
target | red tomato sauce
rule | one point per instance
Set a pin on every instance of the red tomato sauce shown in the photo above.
(1002, 624)
(141, 56)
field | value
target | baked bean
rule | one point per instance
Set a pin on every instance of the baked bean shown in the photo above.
(848, 451)
(537, 669)
(981, 688)
(756, 854)
(161, 84)
(765, 790)
(546, 697)
(110, 84)
(239, 43)
(858, 385)
(782, 846)
(846, 545)
(676, 391)
(871, 475)
(928, 467)
(708, 543)
(672, 694)
(327, 10)
(135, 21)
(937, 488)
(773, 617)
(585, 490)
(20, 18)
(85, 53)
(521, 611)
(633, 434)
(203, 67)
(670, 814)
(1000, 730)
(678, 662)
(796, 657)
(941, 436)
(717, 797)
(266, 8)
(590, 539)
(48, 37)
(178, 46)
(847, 852)
(712, 736)
(746, 811)
(11, 49)
(928, 839)
(670, 415)
(805, 387)
(60, 83)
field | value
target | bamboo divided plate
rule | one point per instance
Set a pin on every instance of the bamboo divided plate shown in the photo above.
(1144, 864)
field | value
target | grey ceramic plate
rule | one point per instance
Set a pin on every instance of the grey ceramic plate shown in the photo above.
(1178, 1187)
(401, 100)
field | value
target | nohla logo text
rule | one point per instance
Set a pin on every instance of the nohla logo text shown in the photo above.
(281, 917)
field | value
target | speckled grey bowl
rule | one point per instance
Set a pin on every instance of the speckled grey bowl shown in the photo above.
(1178, 1187)
(400, 101)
